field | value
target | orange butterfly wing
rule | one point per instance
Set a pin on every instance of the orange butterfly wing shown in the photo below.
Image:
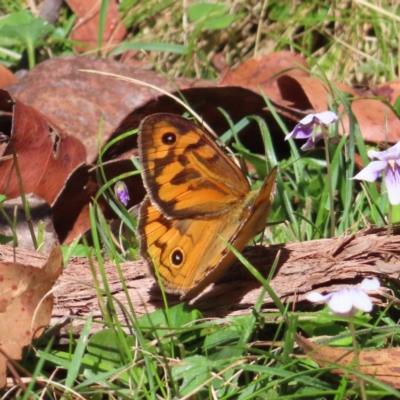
(197, 196)
(185, 173)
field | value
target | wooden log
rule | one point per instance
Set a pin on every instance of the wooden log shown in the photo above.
(322, 265)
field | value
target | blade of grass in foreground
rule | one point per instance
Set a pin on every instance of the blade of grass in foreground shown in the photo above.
(75, 366)
(37, 371)
(102, 23)
(111, 317)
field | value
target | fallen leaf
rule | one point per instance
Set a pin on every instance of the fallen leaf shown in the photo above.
(267, 75)
(284, 79)
(389, 90)
(372, 114)
(6, 77)
(260, 71)
(382, 364)
(306, 92)
(76, 101)
(22, 288)
(378, 123)
(86, 29)
(71, 209)
(46, 156)
(236, 101)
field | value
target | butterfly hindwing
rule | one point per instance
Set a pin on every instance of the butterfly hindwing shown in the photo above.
(169, 245)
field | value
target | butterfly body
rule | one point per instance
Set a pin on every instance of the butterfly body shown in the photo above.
(197, 196)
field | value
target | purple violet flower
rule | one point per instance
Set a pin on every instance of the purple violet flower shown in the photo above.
(4, 138)
(388, 163)
(310, 128)
(347, 301)
(121, 191)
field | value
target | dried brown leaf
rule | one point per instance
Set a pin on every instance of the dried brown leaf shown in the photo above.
(76, 101)
(22, 288)
(71, 209)
(86, 29)
(382, 364)
(6, 77)
(46, 156)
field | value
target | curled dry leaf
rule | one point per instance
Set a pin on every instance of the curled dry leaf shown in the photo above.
(71, 209)
(236, 101)
(382, 364)
(46, 156)
(76, 101)
(22, 288)
(378, 123)
(268, 74)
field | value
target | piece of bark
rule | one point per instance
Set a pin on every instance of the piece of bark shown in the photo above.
(302, 267)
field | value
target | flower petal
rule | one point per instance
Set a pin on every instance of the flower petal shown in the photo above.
(326, 117)
(341, 302)
(307, 120)
(370, 284)
(392, 153)
(311, 141)
(316, 297)
(371, 171)
(300, 131)
(392, 180)
(304, 129)
(360, 299)
(122, 193)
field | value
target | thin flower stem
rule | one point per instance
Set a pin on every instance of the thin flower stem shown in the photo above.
(389, 226)
(353, 336)
(23, 197)
(329, 183)
(11, 224)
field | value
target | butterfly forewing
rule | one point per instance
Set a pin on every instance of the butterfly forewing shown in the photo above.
(182, 169)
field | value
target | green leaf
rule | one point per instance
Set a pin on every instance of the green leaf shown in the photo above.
(194, 371)
(25, 27)
(219, 23)
(103, 347)
(396, 213)
(396, 106)
(203, 10)
(179, 315)
(210, 15)
(217, 344)
(5, 239)
(255, 160)
(78, 250)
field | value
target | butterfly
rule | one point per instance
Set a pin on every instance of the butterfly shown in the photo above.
(196, 195)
